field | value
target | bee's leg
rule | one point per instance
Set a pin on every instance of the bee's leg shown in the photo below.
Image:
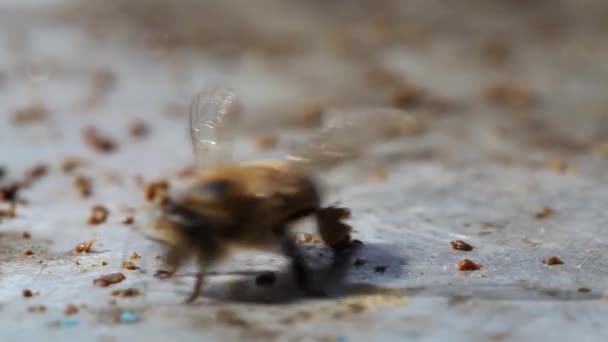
(207, 257)
(300, 271)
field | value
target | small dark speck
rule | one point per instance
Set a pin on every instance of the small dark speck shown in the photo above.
(584, 290)
(380, 269)
(265, 279)
(359, 262)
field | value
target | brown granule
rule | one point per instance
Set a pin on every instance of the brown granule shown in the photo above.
(135, 256)
(98, 141)
(310, 116)
(186, 172)
(28, 252)
(559, 165)
(156, 191)
(70, 310)
(584, 290)
(129, 292)
(35, 172)
(266, 142)
(10, 191)
(468, 265)
(109, 279)
(84, 247)
(461, 245)
(128, 219)
(27, 293)
(71, 163)
(128, 265)
(104, 263)
(137, 128)
(29, 114)
(98, 215)
(406, 96)
(83, 185)
(553, 260)
(36, 309)
(544, 212)
(26, 235)
(510, 95)
(11, 212)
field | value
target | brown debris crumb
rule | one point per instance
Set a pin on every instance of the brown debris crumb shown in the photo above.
(98, 141)
(84, 247)
(230, 317)
(104, 263)
(510, 95)
(310, 116)
(553, 260)
(70, 310)
(584, 290)
(28, 252)
(109, 279)
(71, 163)
(128, 265)
(559, 165)
(129, 292)
(461, 245)
(135, 256)
(137, 128)
(98, 215)
(27, 293)
(266, 142)
(544, 212)
(128, 219)
(83, 185)
(26, 235)
(36, 308)
(406, 96)
(468, 265)
(265, 279)
(10, 191)
(156, 191)
(29, 114)
(307, 238)
(35, 172)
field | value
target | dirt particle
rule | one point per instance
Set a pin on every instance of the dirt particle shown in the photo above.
(265, 279)
(35, 172)
(406, 96)
(359, 262)
(510, 95)
(98, 215)
(461, 245)
(544, 212)
(10, 191)
(36, 309)
(70, 310)
(137, 128)
(309, 116)
(128, 219)
(552, 260)
(30, 114)
(468, 265)
(128, 292)
(28, 252)
(109, 279)
(97, 140)
(128, 265)
(266, 142)
(156, 191)
(83, 185)
(27, 293)
(584, 290)
(11, 212)
(135, 256)
(26, 235)
(84, 247)
(71, 163)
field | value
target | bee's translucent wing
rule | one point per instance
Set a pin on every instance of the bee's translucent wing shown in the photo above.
(348, 133)
(213, 116)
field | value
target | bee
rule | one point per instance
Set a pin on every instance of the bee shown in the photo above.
(249, 205)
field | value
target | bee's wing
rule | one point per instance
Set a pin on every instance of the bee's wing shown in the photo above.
(214, 114)
(346, 134)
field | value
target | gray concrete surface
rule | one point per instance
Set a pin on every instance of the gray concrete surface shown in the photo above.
(477, 173)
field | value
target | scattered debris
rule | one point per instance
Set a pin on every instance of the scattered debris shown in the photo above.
(135, 256)
(83, 185)
(552, 260)
(28, 252)
(29, 114)
(36, 309)
(129, 292)
(137, 128)
(26, 235)
(11, 212)
(511, 95)
(156, 191)
(584, 290)
(98, 215)
(70, 310)
(544, 212)
(27, 293)
(406, 96)
(230, 317)
(71, 163)
(128, 265)
(266, 142)
(84, 247)
(461, 245)
(109, 279)
(468, 265)
(98, 141)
